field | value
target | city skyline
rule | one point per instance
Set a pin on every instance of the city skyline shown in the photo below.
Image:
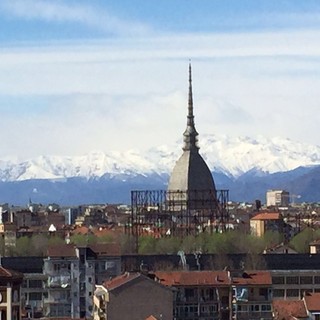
(77, 76)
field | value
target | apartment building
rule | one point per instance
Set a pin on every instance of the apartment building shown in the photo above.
(72, 273)
(219, 295)
(293, 284)
(132, 296)
(251, 295)
(277, 198)
(62, 269)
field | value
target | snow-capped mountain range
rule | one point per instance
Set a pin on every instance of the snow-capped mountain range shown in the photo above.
(231, 156)
(246, 167)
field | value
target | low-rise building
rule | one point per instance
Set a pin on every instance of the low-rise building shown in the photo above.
(267, 221)
(132, 296)
(251, 295)
(293, 284)
(205, 294)
(10, 302)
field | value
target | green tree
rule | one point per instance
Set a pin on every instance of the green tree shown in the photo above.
(55, 241)
(83, 239)
(39, 244)
(168, 245)
(301, 241)
(272, 238)
(23, 247)
(147, 244)
(127, 243)
(106, 239)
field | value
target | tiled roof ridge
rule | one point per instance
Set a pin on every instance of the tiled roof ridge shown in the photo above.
(120, 280)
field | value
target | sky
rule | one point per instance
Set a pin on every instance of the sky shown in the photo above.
(96, 75)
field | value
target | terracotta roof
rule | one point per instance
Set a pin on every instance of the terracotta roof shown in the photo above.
(120, 280)
(312, 301)
(253, 278)
(151, 318)
(193, 278)
(289, 309)
(9, 274)
(65, 250)
(81, 230)
(267, 216)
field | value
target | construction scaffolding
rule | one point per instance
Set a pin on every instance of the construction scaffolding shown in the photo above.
(177, 213)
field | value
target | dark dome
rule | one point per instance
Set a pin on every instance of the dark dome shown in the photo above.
(191, 173)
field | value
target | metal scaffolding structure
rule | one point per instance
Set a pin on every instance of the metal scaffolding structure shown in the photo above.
(178, 213)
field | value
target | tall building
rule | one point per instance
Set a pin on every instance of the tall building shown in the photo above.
(277, 198)
(191, 174)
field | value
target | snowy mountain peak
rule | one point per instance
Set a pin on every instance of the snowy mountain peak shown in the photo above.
(233, 156)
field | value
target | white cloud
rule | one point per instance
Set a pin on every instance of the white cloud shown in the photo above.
(124, 94)
(58, 11)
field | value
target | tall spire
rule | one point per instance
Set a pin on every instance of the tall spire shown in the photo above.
(190, 135)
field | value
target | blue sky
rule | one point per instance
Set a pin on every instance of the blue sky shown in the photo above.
(80, 75)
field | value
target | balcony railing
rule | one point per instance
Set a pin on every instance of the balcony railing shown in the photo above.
(61, 281)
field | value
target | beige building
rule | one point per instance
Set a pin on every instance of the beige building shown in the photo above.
(277, 198)
(10, 284)
(263, 222)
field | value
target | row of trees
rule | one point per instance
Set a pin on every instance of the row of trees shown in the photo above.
(217, 243)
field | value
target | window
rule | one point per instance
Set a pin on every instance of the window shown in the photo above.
(254, 307)
(35, 283)
(317, 280)
(56, 267)
(292, 280)
(278, 280)
(306, 280)
(278, 293)
(35, 296)
(263, 292)
(242, 308)
(293, 293)
(266, 307)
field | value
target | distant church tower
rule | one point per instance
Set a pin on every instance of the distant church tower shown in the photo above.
(191, 174)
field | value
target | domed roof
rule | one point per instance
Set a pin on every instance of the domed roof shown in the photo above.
(191, 172)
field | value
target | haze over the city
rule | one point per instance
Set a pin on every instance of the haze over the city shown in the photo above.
(77, 76)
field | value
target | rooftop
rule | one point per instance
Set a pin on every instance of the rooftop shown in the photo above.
(120, 280)
(312, 301)
(289, 309)
(193, 278)
(267, 216)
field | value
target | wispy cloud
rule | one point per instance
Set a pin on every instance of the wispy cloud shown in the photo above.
(72, 12)
(117, 94)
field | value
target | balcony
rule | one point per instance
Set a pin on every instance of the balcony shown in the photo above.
(56, 300)
(60, 281)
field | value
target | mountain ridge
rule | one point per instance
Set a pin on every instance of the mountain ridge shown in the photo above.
(231, 156)
(246, 167)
